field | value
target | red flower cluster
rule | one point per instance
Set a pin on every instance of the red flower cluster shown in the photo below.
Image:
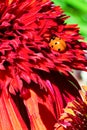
(32, 75)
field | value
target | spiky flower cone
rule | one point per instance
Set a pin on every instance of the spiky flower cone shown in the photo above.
(35, 84)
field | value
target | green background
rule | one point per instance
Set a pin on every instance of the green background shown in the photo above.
(77, 10)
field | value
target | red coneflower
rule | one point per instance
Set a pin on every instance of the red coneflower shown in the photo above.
(75, 114)
(37, 51)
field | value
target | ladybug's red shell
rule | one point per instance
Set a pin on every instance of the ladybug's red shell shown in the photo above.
(57, 44)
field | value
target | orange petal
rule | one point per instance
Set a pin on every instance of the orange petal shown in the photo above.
(83, 94)
(8, 2)
(40, 111)
(58, 127)
(84, 87)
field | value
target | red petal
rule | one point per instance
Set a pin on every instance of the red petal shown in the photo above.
(10, 118)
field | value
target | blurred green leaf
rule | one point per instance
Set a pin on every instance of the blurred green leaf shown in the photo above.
(77, 10)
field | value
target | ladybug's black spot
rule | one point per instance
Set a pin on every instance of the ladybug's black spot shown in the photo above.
(59, 49)
(52, 46)
(55, 43)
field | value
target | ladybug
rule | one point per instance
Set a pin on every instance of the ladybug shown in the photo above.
(57, 44)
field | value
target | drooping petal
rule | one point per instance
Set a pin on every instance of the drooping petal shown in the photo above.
(10, 118)
(41, 117)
